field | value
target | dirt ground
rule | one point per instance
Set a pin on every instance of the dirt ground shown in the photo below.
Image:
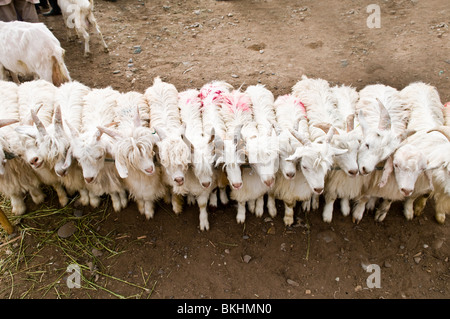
(273, 42)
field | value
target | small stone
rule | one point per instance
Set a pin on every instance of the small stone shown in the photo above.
(77, 213)
(234, 76)
(96, 252)
(292, 283)
(261, 51)
(283, 247)
(246, 258)
(344, 63)
(116, 72)
(307, 292)
(387, 264)
(358, 288)
(337, 279)
(417, 259)
(227, 251)
(230, 15)
(245, 237)
(67, 230)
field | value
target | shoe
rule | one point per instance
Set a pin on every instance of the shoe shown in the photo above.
(52, 13)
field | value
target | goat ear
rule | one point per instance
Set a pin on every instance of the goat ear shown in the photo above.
(213, 136)
(385, 118)
(26, 130)
(69, 158)
(445, 130)
(121, 169)
(363, 123)
(297, 155)
(337, 151)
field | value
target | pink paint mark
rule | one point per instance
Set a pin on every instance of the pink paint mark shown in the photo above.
(236, 101)
(447, 104)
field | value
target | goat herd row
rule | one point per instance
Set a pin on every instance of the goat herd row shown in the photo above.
(162, 144)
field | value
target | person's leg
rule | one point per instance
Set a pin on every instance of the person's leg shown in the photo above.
(8, 12)
(56, 10)
(26, 11)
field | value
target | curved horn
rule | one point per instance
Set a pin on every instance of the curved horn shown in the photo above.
(237, 133)
(445, 130)
(72, 129)
(6, 122)
(38, 123)
(323, 126)
(385, 118)
(213, 136)
(57, 121)
(300, 138)
(330, 134)
(137, 118)
(113, 133)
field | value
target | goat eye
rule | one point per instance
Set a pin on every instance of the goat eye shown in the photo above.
(367, 145)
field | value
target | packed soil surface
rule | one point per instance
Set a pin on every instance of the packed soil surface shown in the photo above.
(244, 42)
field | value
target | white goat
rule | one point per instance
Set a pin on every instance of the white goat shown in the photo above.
(31, 49)
(343, 181)
(210, 95)
(383, 116)
(134, 153)
(78, 15)
(38, 96)
(263, 151)
(174, 154)
(426, 117)
(51, 143)
(16, 176)
(317, 157)
(200, 178)
(93, 149)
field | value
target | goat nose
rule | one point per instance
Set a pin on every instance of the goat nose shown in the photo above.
(363, 170)
(318, 190)
(149, 170)
(353, 172)
(290, 175)
(179, 180)
(89, 179)
(406, 191)
(206, 184)
(237, 185)
(269, 182)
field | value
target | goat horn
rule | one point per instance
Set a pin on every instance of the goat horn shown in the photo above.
(350, 122)
(38, 123)
(137, 118)
(442, 129)
(6, 122)
(57, 119)
(113, 133)
(323, 126)
(237, 133)
(300, 138)
(213, 136)
(72, 129)
(330, 134)
(385, 118)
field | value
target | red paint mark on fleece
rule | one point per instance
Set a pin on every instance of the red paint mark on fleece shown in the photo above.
(447, 104)
(236, 101)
